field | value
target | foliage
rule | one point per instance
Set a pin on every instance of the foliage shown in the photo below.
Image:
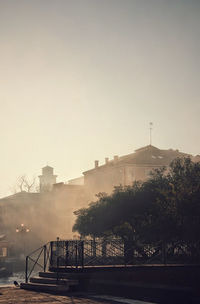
(165, 207)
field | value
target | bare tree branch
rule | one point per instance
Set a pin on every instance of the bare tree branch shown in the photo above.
(25, 184)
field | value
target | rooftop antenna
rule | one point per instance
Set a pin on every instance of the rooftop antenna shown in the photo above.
(150, 133)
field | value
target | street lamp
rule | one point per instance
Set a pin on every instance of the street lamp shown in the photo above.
(22, 230)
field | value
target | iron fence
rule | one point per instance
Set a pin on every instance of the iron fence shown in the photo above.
(113, 252)
(102, 252)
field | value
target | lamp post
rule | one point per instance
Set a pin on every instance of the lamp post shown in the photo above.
(22, 230)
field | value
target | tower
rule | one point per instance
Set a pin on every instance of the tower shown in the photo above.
(47, 179)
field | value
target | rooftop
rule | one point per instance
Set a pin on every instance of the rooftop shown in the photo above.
(148, 155)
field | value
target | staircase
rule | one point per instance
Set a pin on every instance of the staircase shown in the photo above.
(50, 282)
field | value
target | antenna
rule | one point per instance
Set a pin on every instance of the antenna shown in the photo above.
(150, 129)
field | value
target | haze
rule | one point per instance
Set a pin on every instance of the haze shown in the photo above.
(81, 80)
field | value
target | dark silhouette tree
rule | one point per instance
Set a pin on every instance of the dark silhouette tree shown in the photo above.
(166, 207)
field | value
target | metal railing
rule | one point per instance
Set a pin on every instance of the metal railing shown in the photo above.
(37, 260)
(102, 252)
(108, 252)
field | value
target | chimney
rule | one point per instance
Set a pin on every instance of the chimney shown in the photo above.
(96, 163)
(106, 160)
(115, 158)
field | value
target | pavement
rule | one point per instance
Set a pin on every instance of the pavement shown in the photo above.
(14, 295)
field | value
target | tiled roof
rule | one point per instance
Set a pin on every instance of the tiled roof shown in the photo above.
(151, 155)
(148, 155)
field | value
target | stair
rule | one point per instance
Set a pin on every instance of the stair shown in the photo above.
(50, 282)
(51, 274)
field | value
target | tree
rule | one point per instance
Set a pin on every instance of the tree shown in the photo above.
(165, 207)
(25, 184)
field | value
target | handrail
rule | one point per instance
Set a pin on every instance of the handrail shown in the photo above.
(38, 249)
(46, 251)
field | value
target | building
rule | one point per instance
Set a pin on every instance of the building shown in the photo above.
(126, 169)
(4, 245)
(30, 209)
(79, 181)
(50, 213)
(47, 214)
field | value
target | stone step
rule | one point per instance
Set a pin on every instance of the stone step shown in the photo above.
(45, 287)
(50, 280)
(61, 275)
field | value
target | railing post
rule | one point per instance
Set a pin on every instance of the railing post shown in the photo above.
(57, 264)
(164, 258)
(57, 248)
(51, 254)
(57, 257)
(76, 254)
(45, 252)
(94, 247)
(66, 252)
(82, 254)
(26, 271)
(103, 248)
(128, 252)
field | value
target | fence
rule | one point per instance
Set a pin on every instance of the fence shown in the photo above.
(104, 252)
(101, 252)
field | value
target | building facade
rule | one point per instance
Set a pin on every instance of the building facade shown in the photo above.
(50, 212)
(126, 169)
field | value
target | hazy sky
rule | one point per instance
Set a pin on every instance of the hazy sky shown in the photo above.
(81, 80)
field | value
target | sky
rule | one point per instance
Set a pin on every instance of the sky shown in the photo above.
(80, 80)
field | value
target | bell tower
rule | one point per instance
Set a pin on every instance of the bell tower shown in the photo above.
(47, 179)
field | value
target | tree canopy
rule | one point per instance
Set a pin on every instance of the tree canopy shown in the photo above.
(165, 207)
